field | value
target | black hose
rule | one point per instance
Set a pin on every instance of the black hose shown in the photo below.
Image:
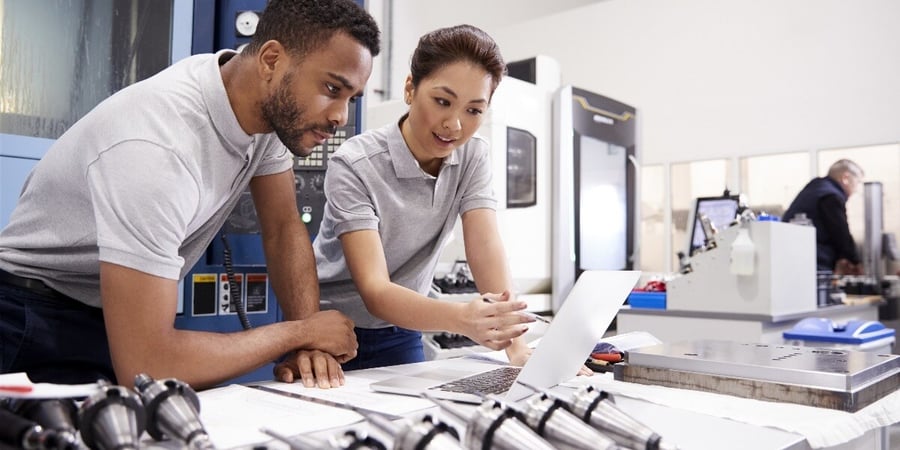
(235, 300)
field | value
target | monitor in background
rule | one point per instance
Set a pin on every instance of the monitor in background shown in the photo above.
(721, 212)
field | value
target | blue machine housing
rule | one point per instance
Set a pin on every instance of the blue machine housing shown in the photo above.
(854, 332)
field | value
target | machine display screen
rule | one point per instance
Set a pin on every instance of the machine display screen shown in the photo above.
(721, 212)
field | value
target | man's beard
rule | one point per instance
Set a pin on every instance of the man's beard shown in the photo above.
(288, 119)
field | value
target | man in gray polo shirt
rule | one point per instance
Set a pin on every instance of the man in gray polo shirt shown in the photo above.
(126, 201)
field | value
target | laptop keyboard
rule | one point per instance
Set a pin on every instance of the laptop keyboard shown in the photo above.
(494, 381)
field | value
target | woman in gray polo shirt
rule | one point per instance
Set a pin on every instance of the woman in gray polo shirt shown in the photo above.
(394, 196)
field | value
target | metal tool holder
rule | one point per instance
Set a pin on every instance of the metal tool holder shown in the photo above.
(492, 425)
(597, 408)
(112, 418)
(19, 432)
(56, 415)
(348, 440)
(418, 434)
(550, 419)
(173, 411)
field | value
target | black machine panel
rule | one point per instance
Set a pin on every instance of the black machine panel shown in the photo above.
(309, 175)
(603, 123)
(594, 193)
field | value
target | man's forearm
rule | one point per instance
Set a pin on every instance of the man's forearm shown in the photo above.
(204, 359)
(289, 254)
(292, 269)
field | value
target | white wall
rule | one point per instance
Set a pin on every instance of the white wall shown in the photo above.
(410, 19)
(710, 79)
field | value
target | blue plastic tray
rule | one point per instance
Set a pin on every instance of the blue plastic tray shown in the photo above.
(649, 300)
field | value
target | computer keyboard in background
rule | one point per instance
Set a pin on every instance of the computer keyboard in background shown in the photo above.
(445, 287)
(454, 286)
(458, 280)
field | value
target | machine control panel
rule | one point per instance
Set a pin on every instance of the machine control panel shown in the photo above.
(309, 177)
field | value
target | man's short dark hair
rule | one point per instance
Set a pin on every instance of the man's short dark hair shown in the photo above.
(304, 26)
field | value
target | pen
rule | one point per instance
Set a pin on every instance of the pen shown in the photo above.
(534, 316)
(23, 389)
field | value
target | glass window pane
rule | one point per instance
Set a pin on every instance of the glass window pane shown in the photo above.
(689, 181)
(771, 182)
(602, 242)
(653, 224)
(59, 59)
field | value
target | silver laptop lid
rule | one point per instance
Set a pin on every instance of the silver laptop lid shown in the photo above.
(577, 327)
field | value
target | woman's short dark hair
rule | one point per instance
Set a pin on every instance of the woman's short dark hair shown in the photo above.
(446, 46)
(304, 26)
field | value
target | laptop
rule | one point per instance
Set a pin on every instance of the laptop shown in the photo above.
(577, 327)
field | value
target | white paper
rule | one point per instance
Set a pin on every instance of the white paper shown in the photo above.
(821, 427)
(18, 385)
(356, 392)
(631, 340)
(233, 415)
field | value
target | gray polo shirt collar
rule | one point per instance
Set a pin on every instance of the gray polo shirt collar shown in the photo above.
(405, 164)
(223, 118)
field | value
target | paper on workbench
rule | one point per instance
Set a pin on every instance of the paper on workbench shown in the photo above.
(18, 385)
(821, 427)
(356, 392)
(233, 415)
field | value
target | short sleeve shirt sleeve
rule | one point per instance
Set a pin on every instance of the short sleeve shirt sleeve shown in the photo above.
(478, 192)
(352, 207)
(141, 220)
(276, 160)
